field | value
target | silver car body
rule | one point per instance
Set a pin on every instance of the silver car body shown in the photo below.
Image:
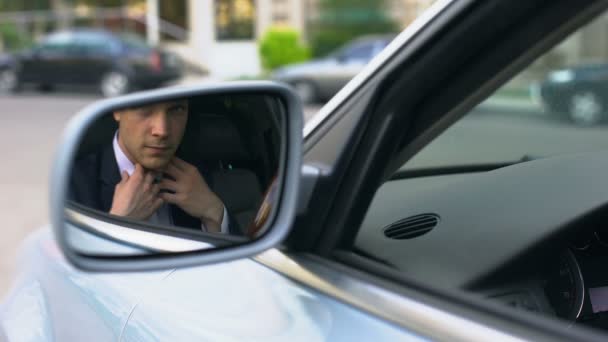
(329, 74)
(197, 304)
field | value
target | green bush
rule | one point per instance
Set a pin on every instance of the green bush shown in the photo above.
(12, 38)
(281, 46)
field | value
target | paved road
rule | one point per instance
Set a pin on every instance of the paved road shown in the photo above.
(496, 134)
(30, 125)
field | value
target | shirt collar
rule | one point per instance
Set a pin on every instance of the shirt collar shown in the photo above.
(124, 164)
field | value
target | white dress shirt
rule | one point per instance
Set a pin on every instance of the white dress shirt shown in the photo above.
(163, 214)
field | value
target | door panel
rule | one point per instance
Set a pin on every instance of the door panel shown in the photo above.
(210, 304)
(49, 63)
(43, 66)
(93, 57)
(51, 299)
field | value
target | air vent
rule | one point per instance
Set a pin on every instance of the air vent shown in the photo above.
(411, 227)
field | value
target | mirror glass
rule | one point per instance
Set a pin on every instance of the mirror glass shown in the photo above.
(177, 175)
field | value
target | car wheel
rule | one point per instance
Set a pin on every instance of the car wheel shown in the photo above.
(9, 81)
(306, 91)
(114, 83)
(585, 108)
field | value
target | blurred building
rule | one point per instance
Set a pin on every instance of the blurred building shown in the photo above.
(586, 45)
(219, 36)
(405, 11)
(223, 33)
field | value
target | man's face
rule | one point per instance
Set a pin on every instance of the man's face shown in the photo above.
(150, 135)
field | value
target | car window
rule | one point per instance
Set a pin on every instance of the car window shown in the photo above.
(94, 43)
(133, 41)
(58, 43)
(358, 52)
(558, 105)
(500, 207)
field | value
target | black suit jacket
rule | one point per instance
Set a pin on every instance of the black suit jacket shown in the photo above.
(95, 176)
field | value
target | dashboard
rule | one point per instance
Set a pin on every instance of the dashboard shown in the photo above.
(593, 260)
(571, 284)
(525, 235)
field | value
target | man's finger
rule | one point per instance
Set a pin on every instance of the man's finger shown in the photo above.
(154, 205)
(168, 184)
(139, 170)
(158, 202)
(124, 176)
(154, 189)
(149, 178)
(169, 197)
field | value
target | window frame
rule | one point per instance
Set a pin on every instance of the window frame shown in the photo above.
(231, 36)
(82, 44)
(49, 45)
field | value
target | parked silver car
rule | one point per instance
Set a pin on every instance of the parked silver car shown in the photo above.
(322, 78)
(397, 213)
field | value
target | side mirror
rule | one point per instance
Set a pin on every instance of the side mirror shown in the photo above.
(178, 177)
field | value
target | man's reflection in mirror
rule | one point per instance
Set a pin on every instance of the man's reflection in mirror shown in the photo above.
(138, 175)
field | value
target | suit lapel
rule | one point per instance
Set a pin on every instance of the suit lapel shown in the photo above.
(108, 177)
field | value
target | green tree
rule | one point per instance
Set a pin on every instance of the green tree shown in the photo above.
(340, 21)
(281, 46)
(12, 38)
(20, 5)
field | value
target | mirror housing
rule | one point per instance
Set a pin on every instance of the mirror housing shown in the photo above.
(129, 246)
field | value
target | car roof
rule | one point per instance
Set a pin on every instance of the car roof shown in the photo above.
(70, 34)
(372, 37)
(93, 33)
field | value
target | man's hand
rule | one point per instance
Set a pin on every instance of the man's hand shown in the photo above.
(136, 196)
(192, 194)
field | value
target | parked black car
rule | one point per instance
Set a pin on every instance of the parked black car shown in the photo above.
(115, 64)
(578, 92)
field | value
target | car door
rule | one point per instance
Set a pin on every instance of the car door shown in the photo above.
(319, 257)
(49, 62)
(270, 307)
(93, 57)
(53, 301)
